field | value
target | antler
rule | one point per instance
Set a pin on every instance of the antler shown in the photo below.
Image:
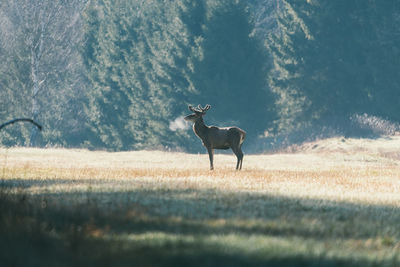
(207, 107)
(199, 108)
(191, 108)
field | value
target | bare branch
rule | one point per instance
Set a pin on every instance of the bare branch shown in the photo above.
(21, 119)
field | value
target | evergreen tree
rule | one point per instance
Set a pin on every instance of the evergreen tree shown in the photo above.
(231, 75)
(147, 60)
(139, 58)
(330, 61)
(380, 20)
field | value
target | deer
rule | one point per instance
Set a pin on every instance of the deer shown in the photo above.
(216, 137)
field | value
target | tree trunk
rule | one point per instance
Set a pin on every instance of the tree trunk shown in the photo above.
(36, 53)
(35, 104)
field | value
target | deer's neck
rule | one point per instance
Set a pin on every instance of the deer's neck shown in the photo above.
(200, 128)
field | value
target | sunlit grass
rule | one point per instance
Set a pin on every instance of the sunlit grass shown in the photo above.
(317, 206)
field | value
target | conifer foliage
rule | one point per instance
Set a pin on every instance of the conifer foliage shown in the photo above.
(147, 60)
(334, 59)
(118, 75)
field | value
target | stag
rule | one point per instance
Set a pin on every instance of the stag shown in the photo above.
(216, 137)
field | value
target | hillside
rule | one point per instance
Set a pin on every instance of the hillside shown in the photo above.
(385, 147)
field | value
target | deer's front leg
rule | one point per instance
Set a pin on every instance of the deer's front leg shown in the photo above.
(211, 156)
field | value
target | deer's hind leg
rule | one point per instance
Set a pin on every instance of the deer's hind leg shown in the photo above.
(239, 155)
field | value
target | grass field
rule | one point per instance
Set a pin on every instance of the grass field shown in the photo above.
(334, 202)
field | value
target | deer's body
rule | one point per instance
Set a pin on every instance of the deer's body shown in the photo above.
(216, 137)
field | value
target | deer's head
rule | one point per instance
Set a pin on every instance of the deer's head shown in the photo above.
(198, 113)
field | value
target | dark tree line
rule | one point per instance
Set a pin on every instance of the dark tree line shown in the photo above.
(335, 59)
(147, 60)
(116, 75)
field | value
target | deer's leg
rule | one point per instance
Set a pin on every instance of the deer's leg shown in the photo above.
(211, 156)
(239, 155)
(241, 158)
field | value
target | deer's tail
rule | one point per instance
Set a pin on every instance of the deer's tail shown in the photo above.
(242, 137)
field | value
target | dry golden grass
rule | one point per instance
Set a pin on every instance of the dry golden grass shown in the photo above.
(336, 200)
(353, 176)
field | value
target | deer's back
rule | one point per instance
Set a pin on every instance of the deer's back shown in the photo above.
(224, 138)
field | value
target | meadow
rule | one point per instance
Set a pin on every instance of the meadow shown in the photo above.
(333, 202)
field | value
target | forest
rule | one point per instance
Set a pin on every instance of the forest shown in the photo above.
(119, 75)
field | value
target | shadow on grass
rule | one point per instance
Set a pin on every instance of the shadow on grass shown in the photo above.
(77, 228)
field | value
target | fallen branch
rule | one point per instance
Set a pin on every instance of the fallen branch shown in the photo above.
(21, 119)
